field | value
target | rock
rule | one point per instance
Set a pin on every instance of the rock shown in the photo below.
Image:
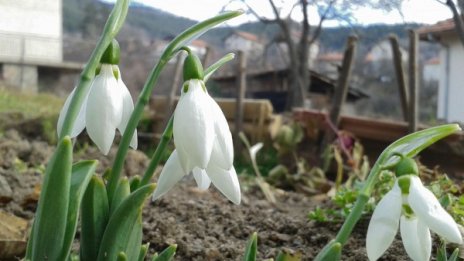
(5, 191)
(13, 234)
(33, 198)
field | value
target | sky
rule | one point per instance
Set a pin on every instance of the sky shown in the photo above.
(420, 11)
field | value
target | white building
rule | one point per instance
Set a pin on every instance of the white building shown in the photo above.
(451, 72)
(246, 42)
(31, 45)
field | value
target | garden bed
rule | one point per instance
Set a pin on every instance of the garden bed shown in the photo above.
(203, 224)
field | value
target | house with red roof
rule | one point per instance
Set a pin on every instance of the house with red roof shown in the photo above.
(451, 69)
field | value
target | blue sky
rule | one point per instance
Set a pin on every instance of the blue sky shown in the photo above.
(422, 11)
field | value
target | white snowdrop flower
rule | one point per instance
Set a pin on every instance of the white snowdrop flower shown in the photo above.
(203, 145)
(417, 211)
(107, 107)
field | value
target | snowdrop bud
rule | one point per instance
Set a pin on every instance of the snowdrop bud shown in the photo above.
(192, 67)
(111, 54)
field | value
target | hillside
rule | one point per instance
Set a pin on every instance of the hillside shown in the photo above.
(88, 16)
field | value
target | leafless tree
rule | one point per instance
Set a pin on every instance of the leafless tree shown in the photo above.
(298, 47)
(457, 17)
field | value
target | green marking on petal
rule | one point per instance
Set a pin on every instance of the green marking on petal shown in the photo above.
(185, 88)
(404, 182)
(407, 211)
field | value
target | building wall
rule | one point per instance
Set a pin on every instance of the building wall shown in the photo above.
(24, 77)
(236, 42)
(451, 82)
(31, 30)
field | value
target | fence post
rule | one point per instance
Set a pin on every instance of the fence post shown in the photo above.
(413, 80)
(400, 77)
(241, 84)
(343, 80)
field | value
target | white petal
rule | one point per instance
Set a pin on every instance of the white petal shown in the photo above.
(384, 223)
(427, 208)
(194, 128)
(201, 178)
(226, 182)
(79, 123)
(172, 172)
(104, 109)
(223, 150)
(416, 238)
(254, 150)
(127, 109)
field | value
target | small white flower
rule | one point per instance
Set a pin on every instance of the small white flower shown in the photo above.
(203, 145)
(427, 213)
(107, 107)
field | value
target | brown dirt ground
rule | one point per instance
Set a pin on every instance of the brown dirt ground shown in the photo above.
(203, 224)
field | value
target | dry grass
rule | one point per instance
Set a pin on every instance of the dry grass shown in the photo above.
(28, 104)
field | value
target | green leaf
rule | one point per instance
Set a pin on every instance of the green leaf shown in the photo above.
(121, 193)
(94, 218)
(122, 257)
(47, 237)
(143, 252)
(135, 240)
(135, 183)
(283, 256)
(251, 248)
(122, 223)
(195, 31)
(81, 174)
(331, 252)
(454, 256)
(211, 69)
(166, 255)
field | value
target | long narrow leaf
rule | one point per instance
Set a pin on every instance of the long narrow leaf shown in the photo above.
(81, 174)
(122, 223)
(121, 193)
(50, 221)
(167, 254)
(94, 218)
(251, 248)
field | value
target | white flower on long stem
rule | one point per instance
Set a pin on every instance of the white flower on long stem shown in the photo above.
(203, 145)
(107, 106)
(416, 211)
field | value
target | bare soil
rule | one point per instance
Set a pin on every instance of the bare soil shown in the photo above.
(203, 224)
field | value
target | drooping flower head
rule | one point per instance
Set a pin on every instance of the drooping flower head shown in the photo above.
(202, 139)
(107, 105)
(413, 208)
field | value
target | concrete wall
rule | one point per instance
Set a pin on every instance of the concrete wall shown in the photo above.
(451, 82)
(31, 30)
(22, 77)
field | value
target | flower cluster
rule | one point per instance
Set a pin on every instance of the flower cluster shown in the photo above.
(417, 211)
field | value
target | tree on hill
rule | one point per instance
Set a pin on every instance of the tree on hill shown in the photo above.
(298, 44)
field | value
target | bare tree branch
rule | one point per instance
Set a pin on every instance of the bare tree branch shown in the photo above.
(458, 24)
(318, 30)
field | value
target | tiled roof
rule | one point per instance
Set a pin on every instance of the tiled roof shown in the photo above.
(438, 28)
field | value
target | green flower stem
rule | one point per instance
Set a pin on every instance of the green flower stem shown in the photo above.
(409, 146)
(111, 29)
(144, 97)
(155, 159)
